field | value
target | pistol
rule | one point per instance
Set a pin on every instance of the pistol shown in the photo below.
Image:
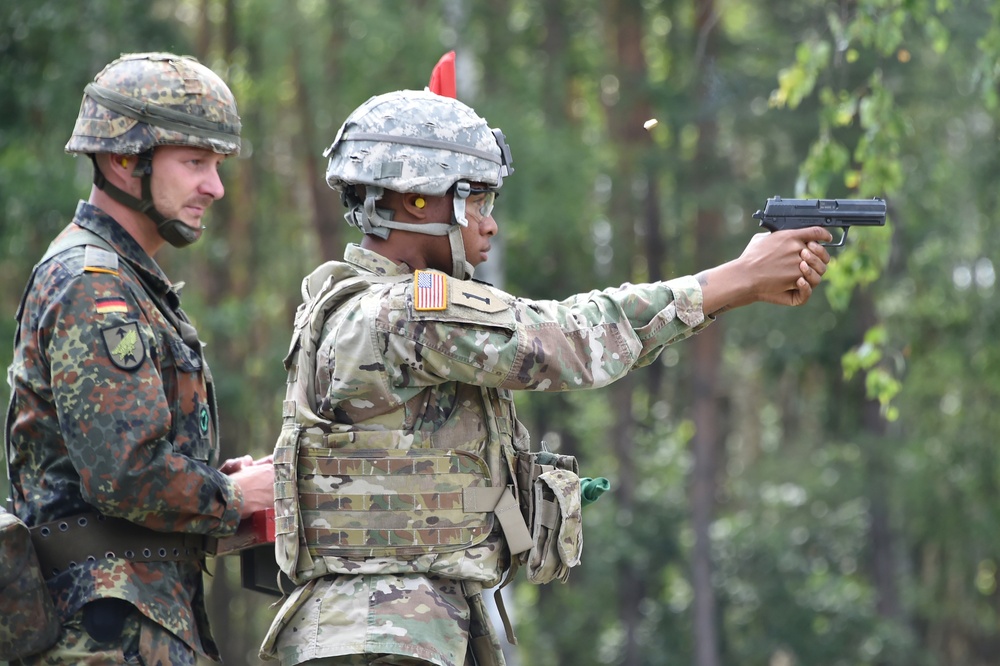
(781, 213)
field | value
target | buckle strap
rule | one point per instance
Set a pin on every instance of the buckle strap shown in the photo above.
(88, 537)
(500, 500)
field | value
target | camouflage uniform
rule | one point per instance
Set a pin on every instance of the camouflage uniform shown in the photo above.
(127, 432)
(382, 365)
(111, 407)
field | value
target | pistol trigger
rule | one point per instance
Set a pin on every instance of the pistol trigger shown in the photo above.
(842, 240)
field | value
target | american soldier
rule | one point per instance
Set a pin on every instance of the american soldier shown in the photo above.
(399, 452)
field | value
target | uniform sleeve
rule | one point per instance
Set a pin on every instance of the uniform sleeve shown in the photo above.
(115, 417)
(488, 338)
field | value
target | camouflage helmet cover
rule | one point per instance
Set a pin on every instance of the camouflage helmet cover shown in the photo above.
(144, 100)
(416, 141)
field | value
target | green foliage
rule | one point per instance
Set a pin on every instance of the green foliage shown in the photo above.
(876, 398)
(798, 80)
(880, 384)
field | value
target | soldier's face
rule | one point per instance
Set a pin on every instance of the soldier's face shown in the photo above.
(185, 182)
(482, 227)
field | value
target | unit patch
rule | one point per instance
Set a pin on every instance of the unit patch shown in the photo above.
(203, 420)
(124, 345)
(476, 296)
(430, 291)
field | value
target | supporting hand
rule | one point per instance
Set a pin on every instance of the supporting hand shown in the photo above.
(255, 479)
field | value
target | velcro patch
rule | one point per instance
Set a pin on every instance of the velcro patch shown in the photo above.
(98, 260)
(124, 345)
(430, 291)
(476, 296)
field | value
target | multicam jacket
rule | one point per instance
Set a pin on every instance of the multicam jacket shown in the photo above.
(110, 412)
(414, 358)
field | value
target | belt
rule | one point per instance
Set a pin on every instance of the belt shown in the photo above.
(75, 540)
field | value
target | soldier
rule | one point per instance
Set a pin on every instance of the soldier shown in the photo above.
(112, 429)
(401, 454)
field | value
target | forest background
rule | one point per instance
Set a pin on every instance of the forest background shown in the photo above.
(791, 487)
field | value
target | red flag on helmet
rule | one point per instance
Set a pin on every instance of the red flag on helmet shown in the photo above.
(443, 76)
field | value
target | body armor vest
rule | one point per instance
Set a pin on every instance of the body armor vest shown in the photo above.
(357, 500)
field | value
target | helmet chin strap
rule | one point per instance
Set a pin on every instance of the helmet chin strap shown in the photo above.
(375, 221)
(174, 231)
(460, 267)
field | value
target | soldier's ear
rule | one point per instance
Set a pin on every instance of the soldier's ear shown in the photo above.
(417, 206)
(117, 168)
(121, 162)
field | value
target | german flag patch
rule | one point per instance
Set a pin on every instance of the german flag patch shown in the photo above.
(430, 291)
(113, 304)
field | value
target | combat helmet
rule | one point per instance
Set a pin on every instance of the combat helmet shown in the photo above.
(144, 100)
(415, 141)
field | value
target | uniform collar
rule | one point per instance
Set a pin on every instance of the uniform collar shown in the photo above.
(93, 219)
(373, 262)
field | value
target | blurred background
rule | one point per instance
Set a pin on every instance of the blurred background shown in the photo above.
(792, 487)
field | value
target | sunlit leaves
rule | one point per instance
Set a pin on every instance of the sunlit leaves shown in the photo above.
(879, 382)
(798, 80)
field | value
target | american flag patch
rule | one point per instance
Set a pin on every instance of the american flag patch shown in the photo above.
(431, 291)
(106, 305)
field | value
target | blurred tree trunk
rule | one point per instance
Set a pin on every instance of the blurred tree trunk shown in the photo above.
(656, 254)
(883, 539)
(631, 588)
(627, 108)
(324, 202)
(554, 46)
(219, 283)
(706, 445)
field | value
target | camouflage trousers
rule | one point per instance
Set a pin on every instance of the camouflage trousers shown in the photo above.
(139, 641)
(368, 660)
(379, 619)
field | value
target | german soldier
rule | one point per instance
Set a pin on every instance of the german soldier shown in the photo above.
(112, 431)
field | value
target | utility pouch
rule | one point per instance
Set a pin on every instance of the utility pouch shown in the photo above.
(549, 495)
(28, 620)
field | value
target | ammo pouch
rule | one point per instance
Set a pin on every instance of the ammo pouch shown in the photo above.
(548, 494)
(548, 487)
(28, 620)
